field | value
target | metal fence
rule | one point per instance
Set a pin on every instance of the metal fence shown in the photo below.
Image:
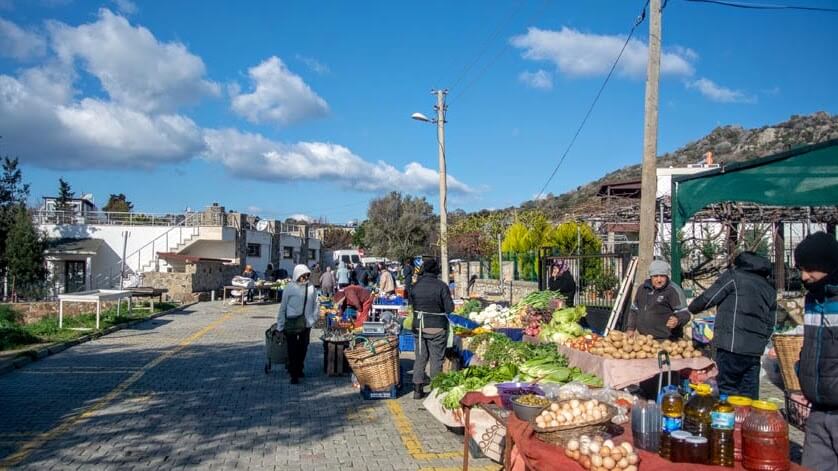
(597, 277)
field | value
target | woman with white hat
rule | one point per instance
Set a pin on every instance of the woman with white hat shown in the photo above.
(297, 314)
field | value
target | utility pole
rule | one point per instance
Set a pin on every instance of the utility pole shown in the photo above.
(443, 183)
(122, 267)
(649, 184)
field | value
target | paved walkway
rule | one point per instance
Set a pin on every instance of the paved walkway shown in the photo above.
(188, 390)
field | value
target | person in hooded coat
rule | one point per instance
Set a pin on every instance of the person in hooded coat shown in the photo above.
(297, 315)
(817, 258)
(745, 318)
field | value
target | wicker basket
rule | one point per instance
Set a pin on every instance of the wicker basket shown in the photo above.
(788, 355)
(561, 434)
(375, 364)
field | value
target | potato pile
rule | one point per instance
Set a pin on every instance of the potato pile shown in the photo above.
(571, 412)
(597, 454)
(622, 347)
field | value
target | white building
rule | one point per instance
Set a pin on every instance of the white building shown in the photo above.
(88, 252)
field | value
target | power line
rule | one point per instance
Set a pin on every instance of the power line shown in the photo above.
(501, 52)
(489, 40)
(764, 6)
(637, 22)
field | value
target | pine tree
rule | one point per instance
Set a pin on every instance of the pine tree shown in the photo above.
(13, 192)
(25, 255)
(118, 203)
(62, 204)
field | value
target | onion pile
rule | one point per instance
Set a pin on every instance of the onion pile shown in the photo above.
(597, 454)
(572, 412)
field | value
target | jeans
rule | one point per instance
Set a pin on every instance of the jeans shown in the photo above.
(431, 348)
(738, 374)
(297, 349)
(820, 450)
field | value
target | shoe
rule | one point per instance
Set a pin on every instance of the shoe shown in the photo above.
(418, 392)
(295, 380)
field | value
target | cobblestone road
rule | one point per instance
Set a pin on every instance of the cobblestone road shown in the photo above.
(188, 391)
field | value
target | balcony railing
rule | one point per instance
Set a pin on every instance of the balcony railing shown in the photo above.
(122, 218)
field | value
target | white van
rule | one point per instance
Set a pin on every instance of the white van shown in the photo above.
(346, 256)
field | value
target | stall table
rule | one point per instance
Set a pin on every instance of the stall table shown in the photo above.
(150, 293)
(95, 296)
(618, 374)
(257, 289)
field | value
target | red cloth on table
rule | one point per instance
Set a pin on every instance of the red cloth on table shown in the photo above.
(539, 455)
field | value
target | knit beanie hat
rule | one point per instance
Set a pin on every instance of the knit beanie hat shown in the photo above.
(818, 252)
(431, 267)
(658, 267)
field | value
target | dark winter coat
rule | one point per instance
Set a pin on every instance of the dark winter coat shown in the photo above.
(747, 306)
(819, 358)
(430, 294)
(565, 285)
(652, 308)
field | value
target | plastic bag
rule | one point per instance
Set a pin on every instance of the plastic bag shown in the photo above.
(572, 390)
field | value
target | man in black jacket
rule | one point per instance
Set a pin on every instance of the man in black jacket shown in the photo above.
(817, 258)
(431, 300)
(658, 308)
(745, 320)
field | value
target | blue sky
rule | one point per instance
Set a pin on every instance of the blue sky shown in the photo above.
(281, 108)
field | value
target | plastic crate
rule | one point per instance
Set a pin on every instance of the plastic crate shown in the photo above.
(370, 395)
(407, 342)
(516, 335)
(466, 356)
(461, 321)
(796, 412)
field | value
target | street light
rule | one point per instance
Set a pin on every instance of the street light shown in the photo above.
(440, 108)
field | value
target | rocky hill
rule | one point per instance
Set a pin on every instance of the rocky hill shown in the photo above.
(728, 144)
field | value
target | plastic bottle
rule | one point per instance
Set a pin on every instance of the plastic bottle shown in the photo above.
(722, 423)
(697, 411)
(672, 418)
(646, 425)
(765, 439)
(742, 407)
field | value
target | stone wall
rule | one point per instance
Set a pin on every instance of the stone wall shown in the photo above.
(35, 311)
(201, 277)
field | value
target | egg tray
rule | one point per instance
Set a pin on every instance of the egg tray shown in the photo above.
(561, 434)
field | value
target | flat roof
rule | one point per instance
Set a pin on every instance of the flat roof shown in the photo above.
(68, 246)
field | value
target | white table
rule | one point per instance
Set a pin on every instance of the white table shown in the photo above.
(95, 296)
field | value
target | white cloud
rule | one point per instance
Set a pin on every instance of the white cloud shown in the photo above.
(254, 156)
(17, 43)
(279, 96)
(46, 124)
(314, 65)
(718, 93)
(134, 68)
(540, 79)
(579, 54)
(45, 127)
(126, 6)
(301, 217)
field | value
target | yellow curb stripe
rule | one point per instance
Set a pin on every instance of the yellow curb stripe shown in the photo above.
(41, 439)
(410, 440)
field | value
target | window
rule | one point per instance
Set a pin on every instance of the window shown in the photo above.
(254, 250)
(312, 254)
(287, 252)
(356, 259)
(75, 274)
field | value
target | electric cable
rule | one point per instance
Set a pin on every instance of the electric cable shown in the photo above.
(637, 23)
(764, 6)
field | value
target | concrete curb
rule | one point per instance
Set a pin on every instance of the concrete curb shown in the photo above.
(26, 357)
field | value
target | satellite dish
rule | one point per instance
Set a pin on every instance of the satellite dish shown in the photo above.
(262, 225)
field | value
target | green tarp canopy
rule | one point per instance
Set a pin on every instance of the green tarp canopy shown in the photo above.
(806, 176)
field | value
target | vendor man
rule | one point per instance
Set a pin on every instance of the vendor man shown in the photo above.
(658, 308)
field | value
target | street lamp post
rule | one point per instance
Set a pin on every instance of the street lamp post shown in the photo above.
(440, 108)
